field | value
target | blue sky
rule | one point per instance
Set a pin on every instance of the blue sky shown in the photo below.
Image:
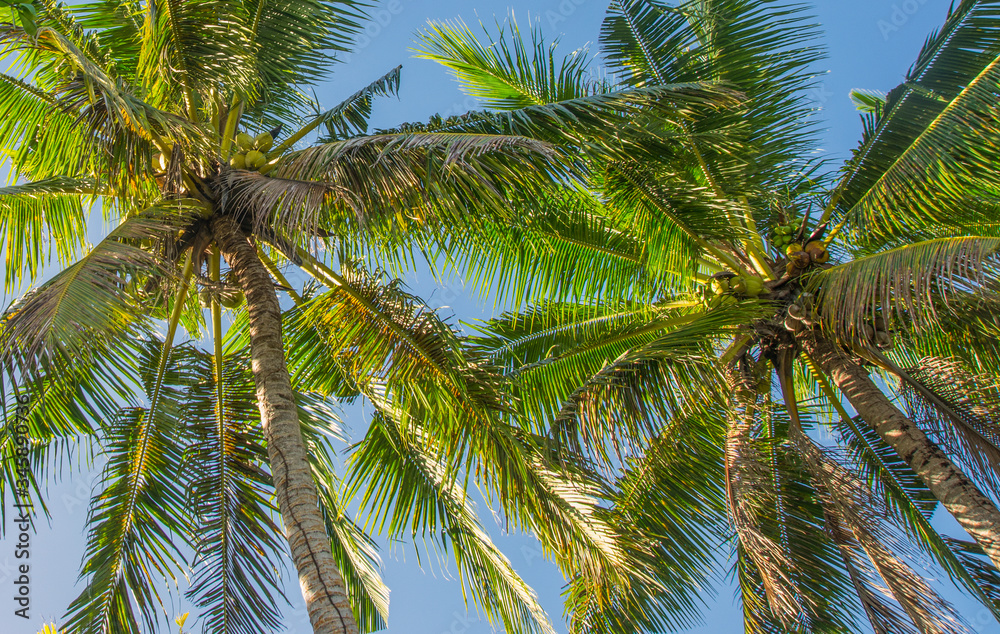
(871, 43)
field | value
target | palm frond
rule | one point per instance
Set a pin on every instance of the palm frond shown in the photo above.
(672, 217)
(294, 44)
(559, 247)
(672, 494)
(137, 523)
(235, 581)
(433, 178)
(766, 50)
(33, 214)
(751, 489)
(410, 489)
(91, 298)
(885, 615)
(961, 411)
(351, 116)
(187, 45)
(70, 395)
(910, 285)
(854, 507)
(942, 108)
(508, 73)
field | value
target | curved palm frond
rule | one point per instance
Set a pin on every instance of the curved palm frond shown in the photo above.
(766, 50)
(939, 105)
(91, 298)
(408, 488)
(852, 506)
(33, 214)
(235, 579)
(351, 116)
(913, 283)
(140, 510)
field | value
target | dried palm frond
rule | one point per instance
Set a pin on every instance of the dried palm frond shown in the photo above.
(961, 410)
(857, 511)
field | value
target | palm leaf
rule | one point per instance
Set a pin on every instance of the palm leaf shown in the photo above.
(913, 283)
(934, 107)
(408, 487)
(351, 116)
(90, 299)
(508, 73)
(905, 496)
(32, 211)
(235, 579)
(854, 507)
(766, 50)
(140, 510)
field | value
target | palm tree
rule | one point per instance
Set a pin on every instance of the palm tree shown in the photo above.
(693, 313)
(149, 109)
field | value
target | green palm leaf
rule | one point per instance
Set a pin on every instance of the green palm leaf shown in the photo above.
(235, 580)
(140, 510)
(933, 108)
(409, 488)
(31, 211)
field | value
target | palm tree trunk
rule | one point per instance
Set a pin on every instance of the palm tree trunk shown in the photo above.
(977, 514)
(322, 585)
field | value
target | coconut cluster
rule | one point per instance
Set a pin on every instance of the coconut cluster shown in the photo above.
(725, 289)
(227, 293)
(876, 333)
(783, 234)
(802, 313)
(253, 151)
(800, 258)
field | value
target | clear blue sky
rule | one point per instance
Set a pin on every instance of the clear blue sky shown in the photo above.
(871, 43)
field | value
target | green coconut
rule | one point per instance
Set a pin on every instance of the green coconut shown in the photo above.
(264, 142)
(255, 160)
(244, 141)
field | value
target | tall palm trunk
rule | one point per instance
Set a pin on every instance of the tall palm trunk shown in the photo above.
(322, 585)
(974, 511)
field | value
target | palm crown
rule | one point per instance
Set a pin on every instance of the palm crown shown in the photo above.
(707, 300)
(145, 108)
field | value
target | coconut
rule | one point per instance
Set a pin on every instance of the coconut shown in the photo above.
(793, 325)
(817, 251)
(255, 160)
(738, 284)
(883, 339)
(205, 297)
(867, 332)
(231, 297)
(264, 142)
(720, 286)
(239, 161)
(800, 259)
(244, 141)
(793, 248)
(754, 286)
